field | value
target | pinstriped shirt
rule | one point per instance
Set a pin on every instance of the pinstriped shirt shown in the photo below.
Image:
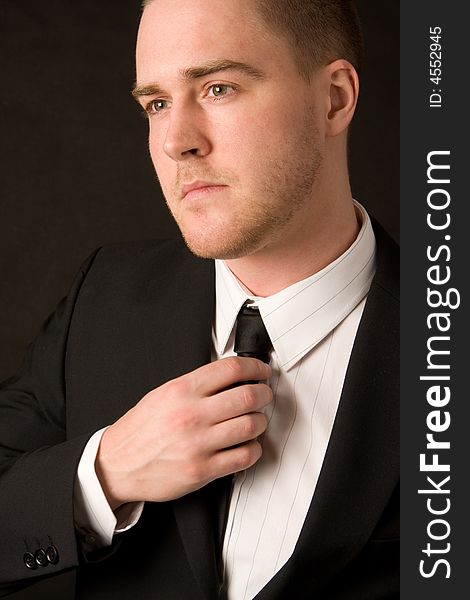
(312, 325)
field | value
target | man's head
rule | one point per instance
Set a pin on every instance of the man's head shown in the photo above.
(243, 117)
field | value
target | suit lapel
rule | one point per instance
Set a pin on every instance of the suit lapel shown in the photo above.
(178, 314)
(198, 516)
(361, 466)
(178, 338)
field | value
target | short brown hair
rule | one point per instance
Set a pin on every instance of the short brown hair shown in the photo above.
(319, 31)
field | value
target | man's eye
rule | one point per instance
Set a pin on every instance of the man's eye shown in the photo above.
(156, 106)
(218, 90)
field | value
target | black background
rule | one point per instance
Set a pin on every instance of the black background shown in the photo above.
(75, 170)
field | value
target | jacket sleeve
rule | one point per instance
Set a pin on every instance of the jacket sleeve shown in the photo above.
(38, 462)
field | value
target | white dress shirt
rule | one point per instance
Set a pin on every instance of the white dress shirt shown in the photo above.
(312, 325)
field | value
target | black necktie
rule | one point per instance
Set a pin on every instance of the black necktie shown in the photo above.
(252, 340)
(251, 337)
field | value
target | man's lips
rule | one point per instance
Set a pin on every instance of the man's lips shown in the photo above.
(197, 188)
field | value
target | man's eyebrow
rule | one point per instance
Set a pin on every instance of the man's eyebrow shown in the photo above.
(214, 66)
(151, 89)
(191, 73)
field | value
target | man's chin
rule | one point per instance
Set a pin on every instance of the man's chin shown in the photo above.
(223, 249)
(211, 252)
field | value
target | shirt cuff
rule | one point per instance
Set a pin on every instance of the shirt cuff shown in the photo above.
(94, 519)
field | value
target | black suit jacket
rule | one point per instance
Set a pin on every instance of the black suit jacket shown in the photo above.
(138, 315)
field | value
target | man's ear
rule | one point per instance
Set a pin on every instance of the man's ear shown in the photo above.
(343, 95)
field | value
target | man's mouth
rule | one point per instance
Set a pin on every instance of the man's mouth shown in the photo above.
(199, 188)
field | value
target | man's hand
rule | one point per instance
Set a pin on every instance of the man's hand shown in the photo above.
(186, 433)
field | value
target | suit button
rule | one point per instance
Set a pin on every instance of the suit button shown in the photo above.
(90, 539)
(52, 555)
(30, 561)
(41, 558)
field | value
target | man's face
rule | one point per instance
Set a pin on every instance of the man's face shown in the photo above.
(235, 136)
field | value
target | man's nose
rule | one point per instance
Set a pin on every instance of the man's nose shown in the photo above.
(186, 135)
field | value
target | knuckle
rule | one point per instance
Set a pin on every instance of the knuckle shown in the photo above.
(234, 365)
(177, 388)
(263, 421)
(243, 459)
(184, 418)
(247, 455)
(249, 397)
(268, 392)
(194, 472)
(257, 450)
(261, 366)
(249, 428)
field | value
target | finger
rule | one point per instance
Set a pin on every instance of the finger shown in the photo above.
(238, 401)
(221, 374)
(235, 459)
(236, 431)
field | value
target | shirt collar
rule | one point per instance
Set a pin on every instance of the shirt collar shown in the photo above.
(298, 317)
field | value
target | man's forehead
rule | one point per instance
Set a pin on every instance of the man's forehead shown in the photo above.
(181, 35)
(199, 14)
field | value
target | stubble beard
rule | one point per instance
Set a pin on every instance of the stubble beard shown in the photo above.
(264, 217)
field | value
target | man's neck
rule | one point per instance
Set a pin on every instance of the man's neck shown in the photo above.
(310, 247)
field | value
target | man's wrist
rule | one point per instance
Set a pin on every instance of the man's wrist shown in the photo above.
(96, 520)
(103, 475)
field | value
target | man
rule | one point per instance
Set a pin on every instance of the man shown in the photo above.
(136, 448)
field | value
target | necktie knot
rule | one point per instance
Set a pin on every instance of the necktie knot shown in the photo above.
(251, 337)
